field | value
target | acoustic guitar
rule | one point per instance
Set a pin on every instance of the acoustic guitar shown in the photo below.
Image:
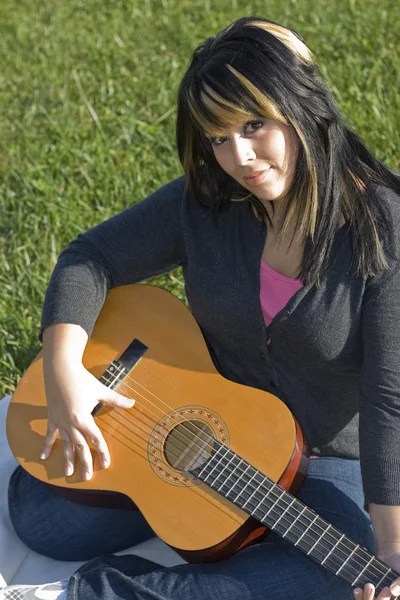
(210, 463)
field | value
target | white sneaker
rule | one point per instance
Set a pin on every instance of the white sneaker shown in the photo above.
(48, 591)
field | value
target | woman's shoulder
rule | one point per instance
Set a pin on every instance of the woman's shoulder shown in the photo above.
(388, 205)
(389, 198)
(387, 220)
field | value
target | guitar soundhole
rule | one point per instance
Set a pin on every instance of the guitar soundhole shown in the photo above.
(188, 445)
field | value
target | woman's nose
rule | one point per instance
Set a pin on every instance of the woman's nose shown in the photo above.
(243, 150)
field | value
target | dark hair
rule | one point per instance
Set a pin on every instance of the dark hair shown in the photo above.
(256, 67)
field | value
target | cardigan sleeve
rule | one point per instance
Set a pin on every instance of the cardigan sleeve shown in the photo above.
(141, 242)
(379, 386)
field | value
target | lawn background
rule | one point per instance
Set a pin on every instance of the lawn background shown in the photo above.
(87, 108)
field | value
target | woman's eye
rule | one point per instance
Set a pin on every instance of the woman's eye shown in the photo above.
(218, 141)
(252, 126)
(248, 128)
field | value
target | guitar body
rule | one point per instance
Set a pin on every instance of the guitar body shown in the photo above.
(178, 393)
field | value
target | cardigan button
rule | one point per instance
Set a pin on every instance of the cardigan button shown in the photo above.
(272, 383)
(262, 355)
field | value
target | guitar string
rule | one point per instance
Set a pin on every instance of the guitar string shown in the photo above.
(252, 488)
(308, 521)
(191, 488)
(145, 456)
(321, 552)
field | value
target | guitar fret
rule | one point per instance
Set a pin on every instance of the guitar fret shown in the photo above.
(285, 511)
(263, 498)
(282, 529)
(381, 580)
(330, 552)
(222, 471)
(347, 559)
(240, 481)
(318, 540)
(274, 504)
(254, 493)
(230, 475)
(309, 546)
(244, 489)
(364, 569)
(294, 522)
(305, 531)
(210, 462)
(333, 557)
(309, 538)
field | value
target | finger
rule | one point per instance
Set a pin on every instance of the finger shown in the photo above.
(51, 436)
(96, 438)
(385, 594)
(69, 453)
(395, 588)
(115, 399)
(85, 455)
(369, 592)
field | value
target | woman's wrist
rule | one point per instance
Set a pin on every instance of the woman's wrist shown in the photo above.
(388, 548)
(385, 521)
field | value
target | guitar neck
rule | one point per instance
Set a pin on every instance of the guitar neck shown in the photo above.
(270, 504)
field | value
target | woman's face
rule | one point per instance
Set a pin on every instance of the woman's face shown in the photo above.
(260, 155)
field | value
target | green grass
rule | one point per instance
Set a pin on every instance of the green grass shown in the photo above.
(87, 107)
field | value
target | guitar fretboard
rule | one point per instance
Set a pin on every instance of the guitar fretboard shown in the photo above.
(235, 479)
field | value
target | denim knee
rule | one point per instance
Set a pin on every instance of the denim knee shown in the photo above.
(19, 503)
(28, 510)
(64, 530)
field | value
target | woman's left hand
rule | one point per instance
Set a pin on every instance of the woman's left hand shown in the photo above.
(388, 593)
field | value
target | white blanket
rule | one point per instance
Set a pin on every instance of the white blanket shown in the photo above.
(20, 565)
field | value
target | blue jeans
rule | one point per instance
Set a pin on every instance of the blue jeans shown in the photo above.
(270, 570)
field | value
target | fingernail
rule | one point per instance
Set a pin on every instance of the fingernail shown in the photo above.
(68, 471)
(43, 456)
(395, 590)
(130, 403)
(357, 591)
(87, 476)
(106, 464)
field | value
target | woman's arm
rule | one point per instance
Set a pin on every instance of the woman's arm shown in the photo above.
(141, 242)
(386, 524)
(379, 381)
(63, 345)
(71, 394)
(379, 398)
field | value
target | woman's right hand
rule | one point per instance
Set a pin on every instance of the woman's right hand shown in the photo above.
(72, 393)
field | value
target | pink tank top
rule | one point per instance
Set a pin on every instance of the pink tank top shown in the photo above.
(275, 291)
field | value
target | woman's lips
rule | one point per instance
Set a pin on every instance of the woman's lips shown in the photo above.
(257, 178)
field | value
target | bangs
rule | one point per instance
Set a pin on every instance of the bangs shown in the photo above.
(217, 105)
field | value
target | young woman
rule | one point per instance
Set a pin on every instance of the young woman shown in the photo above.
(287, 231)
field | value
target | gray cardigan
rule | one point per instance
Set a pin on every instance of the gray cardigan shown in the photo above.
(334, 356)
